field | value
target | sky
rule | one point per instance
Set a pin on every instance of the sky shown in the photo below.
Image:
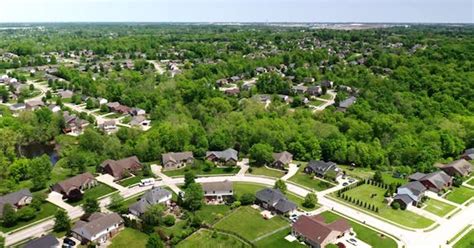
(426, 11)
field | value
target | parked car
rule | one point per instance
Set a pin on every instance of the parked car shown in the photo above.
(345, 184)
(69, 241)
(352, 242)
(146, 182)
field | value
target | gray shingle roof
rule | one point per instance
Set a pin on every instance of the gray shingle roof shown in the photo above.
(283, 157)
(405, 198)
(224, 186)
(90, 229)
(176, 157)
(13, 198)
(438, 178)
(151, 197)
(270, 196)
(321, 166)
(284, 206)
(348, 102)
(415, 187)
(228, 154)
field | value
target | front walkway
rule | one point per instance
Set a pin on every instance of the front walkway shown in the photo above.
(109, 180)
(292, 170)
(244, 166)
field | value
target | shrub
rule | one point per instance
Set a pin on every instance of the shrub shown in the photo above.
(26, 213)
(235, 204)
(396, 205)
(247, 199)
(169, 220)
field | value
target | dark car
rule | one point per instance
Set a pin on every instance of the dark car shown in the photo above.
(69, 241)
(345, 184)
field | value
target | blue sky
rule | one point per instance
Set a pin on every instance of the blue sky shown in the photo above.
(237, 10)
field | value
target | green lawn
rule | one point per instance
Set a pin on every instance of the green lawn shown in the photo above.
(325, 96)
(210, 214)
(248, 222)
(467, 241)
(460, 195)
(129, 238)
(131, 180)
(278, 240)
(309, 181)
(471, 181)
(438, 207)
(95, 193)
(198, 171)
(47, 210)
(206, 238)
(357, 172)
(241, 188)
(404, 218)
(364, 233)
(267, 172)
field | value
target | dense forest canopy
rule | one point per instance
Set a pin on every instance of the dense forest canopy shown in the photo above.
(414, 107)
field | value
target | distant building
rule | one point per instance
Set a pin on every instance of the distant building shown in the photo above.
(218, 191)
(410, 194)
(460, 167)
(226, 157)
(468, 154)
(322, 169)
(281, 159)
(435, 181)
(73, 188)
(344, 105)
(176, 160)
(274, 200)
(121, 168)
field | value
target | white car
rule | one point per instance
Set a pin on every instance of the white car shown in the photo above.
(146, 182)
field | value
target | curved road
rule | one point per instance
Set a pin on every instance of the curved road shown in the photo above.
(415, 239)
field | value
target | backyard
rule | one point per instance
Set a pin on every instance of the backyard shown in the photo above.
(267, 172)
(309, 181)
(364, 233)
(278, 240)
(438, 207)
(130, 238)
(375, 196)
(207, 238)
(460, 195)
(248, 223)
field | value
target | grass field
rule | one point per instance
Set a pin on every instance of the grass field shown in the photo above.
(47, 210)
(267, 172)
(242, 188)
(364, 233)
(438, 207)
(129, 238)
(131, 180)
(95, 193)
(375, 195)
(210, 214)
(460, 195)
(248, 222)
(278, 240)
(471, 181)
(467, 241)
(309, 181)
(206, 238)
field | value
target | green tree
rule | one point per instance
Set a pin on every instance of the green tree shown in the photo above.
(193, 197)
(280, 185)
(9, 216)
(189, 178)
(261, 154)
(154, 241)
(40, 171)
(153, 216)
(247, 198)
(61, 221)
(310, 200)
(91, 205)
(377, 177)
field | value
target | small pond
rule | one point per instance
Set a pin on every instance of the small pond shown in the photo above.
(35, 150)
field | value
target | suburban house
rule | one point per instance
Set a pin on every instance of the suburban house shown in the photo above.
(316, 233)
(65, 94)
(323, 169)
(97, 228)
(139, 121)
(17, 107)
(410, 194)
(218, 191)
(151, 197)
(176, 160)
(72, 188)
(344, 105)
(299, 89)
(281, 159)
(315, 90)
(108, 126)
(327, 84)
(274, 200)
(16, 199)
(226, 157)
(137, 111)
(73, 124)
(118, 108)
(54, 108)
(460, 167)
(47, 241)
(434, 181)
(121, 168)
(34, 104)
(468, 154)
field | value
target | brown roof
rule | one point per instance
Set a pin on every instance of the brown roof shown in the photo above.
(176, 156)
(217, 186)
(73, 182)
(118, 167)
(460, 165)
(315, 229)
(284, 157)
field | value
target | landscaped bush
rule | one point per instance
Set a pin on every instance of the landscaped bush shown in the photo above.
(169, 220)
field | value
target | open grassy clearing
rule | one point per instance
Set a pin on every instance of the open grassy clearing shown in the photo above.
(267, 172)
(309, 181)
(375, 195)
(364, 233)
(248, 222)
(210, 239)
(129, 238)
(438, 207)
(460, 195)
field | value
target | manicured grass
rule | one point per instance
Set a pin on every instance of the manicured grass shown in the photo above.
(460, 195)
(130, 238)
(210, 214)
(198, 171)
(471, 181)
(315, 102)
(248, 222)
(357, 172)
(206, 238)
(95, 193)
(278, 240)
(267, 172)
(309, 181)
(47, 210)
(325, 96)
(438, 207)
(467, 241)
(375, 196)
(242, 188)
(131, 180)
(364, 233)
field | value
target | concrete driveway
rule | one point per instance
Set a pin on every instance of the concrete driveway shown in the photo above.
(109, 180)
(292, 169)
(57, 199)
